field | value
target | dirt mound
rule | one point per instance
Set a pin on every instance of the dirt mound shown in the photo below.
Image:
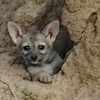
(81, 77)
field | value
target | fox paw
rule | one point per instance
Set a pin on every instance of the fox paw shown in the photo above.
(43, 77)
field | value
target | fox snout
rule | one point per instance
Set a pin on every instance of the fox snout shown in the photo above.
(33, 57)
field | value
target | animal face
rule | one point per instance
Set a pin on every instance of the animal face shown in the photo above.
(34, 45)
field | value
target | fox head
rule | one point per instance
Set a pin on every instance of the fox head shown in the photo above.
(34, 45)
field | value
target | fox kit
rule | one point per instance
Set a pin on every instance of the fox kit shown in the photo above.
(36, 48)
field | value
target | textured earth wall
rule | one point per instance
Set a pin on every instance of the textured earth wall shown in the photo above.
(81, 71)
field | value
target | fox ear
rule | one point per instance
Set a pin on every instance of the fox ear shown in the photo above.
(15, 32)
(51, 30)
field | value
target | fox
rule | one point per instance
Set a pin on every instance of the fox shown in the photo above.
(37, 49)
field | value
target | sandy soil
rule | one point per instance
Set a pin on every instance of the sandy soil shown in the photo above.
(81, 77)
(15, 84)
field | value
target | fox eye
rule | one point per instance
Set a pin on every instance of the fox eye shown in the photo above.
(26, 48)
(41, 47)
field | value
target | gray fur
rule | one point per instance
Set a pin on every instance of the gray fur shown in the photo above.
(48, 62)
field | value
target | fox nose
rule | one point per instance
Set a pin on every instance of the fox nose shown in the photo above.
(34, 57)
